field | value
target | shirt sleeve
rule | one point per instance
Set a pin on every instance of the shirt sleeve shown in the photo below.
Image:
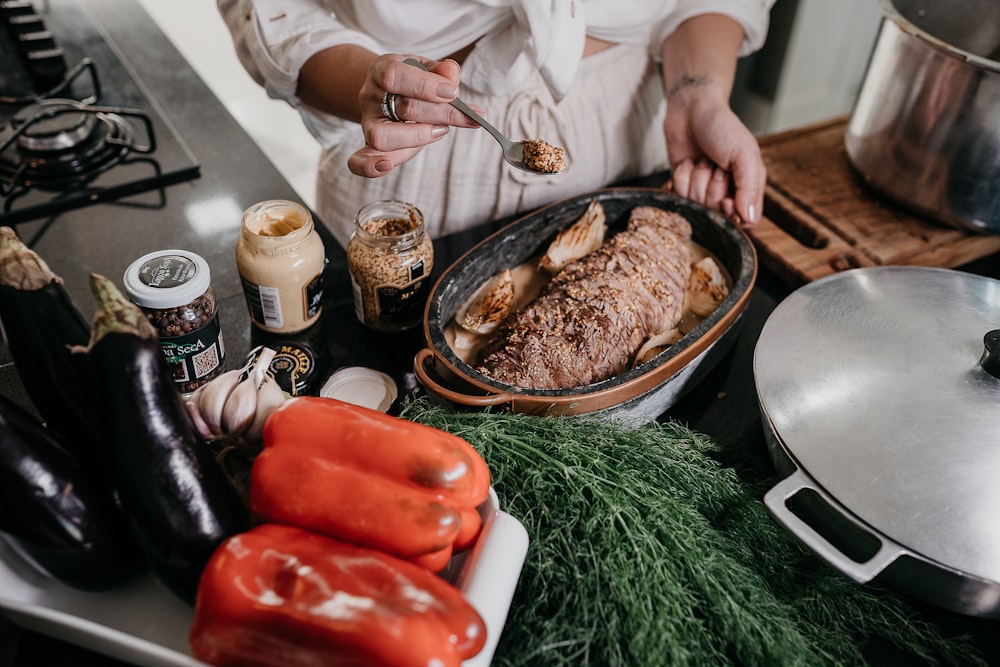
(752, 15)
(274, 38)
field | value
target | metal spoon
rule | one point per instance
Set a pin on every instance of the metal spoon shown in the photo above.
(513, 151)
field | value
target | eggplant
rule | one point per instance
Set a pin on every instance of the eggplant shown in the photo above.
(41, 324)
(179, 503)
(63, 520)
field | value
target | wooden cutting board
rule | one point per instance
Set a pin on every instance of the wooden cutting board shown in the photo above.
(820, 217)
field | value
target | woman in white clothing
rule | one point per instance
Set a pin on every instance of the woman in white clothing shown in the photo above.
(627, 87)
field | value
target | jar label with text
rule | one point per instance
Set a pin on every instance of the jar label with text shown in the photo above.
(313, 297)
(264, 304)
(402, 304)
(195, 355)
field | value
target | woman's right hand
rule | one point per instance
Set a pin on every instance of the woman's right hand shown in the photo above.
(422, 103)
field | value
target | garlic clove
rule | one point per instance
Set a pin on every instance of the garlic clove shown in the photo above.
(241, 405)
(269, 397)
(212, 398)
(581, 238)
(240, 408)
(191, 403)
(707, 287)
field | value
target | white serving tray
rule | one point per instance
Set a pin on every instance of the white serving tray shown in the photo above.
(145, 624)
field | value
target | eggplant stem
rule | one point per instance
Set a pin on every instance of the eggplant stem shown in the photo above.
(20, 266)
(115, 313)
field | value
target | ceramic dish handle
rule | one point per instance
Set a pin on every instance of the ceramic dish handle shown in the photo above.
(420, 370)
(862, 572)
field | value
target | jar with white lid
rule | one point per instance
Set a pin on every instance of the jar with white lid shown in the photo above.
(173, 288)
(390, 258)
(280, 258)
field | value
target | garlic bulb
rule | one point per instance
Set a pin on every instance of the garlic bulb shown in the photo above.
(211, 397)
(231, 405)
(269, 397)
(241, 406)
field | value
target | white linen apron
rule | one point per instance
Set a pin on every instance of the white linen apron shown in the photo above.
(610, 123)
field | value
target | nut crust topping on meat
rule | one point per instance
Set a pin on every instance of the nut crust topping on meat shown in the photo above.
(543, 157)
(589, 321)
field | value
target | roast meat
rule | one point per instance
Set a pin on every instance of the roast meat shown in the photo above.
(590, 319)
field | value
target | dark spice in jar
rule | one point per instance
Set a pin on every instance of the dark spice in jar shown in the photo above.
(183, 319)
(173, 289)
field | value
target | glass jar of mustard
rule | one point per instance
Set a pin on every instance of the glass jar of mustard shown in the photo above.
(173, 288)
(280, 259)
(390, 257)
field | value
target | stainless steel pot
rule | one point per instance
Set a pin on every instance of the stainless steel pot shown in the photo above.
(638, 395)
(881, 407)
(925, 129)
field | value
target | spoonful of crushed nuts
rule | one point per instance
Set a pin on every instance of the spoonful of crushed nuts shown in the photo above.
(533, 155)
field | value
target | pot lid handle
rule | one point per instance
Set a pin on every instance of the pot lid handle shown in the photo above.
(990, 361)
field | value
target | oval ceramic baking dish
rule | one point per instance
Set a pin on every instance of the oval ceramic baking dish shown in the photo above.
(640, 394)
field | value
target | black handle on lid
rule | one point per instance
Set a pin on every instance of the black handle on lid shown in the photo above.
(990, 360)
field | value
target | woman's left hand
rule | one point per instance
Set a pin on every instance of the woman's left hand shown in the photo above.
(715, 158)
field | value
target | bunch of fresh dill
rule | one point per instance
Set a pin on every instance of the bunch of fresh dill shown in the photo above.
(645, 550)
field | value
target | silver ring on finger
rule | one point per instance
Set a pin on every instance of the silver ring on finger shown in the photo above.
(389, 107)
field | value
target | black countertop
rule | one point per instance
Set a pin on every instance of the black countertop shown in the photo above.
(203, 216)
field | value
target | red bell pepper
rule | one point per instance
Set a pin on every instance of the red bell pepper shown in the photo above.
(280, 596)
(368, 478)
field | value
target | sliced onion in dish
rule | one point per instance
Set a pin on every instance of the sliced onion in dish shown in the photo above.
(579, 239)
(488, 306)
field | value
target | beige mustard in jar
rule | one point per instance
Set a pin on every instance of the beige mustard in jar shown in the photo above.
(390, 257)
(280, 259)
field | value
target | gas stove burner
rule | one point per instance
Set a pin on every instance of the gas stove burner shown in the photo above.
(55, 125)
(59, 143)
(59, 151)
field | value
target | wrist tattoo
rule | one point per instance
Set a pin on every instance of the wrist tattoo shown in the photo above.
(688, 81)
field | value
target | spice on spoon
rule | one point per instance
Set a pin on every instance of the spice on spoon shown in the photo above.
(543, 157)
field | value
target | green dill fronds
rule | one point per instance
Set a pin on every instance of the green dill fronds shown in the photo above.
(646, 550)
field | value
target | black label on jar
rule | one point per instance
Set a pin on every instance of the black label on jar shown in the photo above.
(293, 367)
(402, 305)
(196, 357)
(314, 297)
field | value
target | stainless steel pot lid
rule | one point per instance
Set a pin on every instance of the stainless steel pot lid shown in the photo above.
(871, 381)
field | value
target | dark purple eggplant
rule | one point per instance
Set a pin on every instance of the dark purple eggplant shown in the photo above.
(66, 522)
(180, 504)
(41, 323)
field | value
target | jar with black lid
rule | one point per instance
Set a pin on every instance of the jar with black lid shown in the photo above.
(173, 288)
(390, 258)
(299, 361)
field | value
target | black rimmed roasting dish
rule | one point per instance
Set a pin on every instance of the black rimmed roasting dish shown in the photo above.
(640, 394)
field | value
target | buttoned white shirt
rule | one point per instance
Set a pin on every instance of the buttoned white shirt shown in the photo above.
(513, 38)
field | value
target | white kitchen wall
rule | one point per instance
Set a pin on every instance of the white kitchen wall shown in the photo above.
(812, 65)
(197, 30)
(810, 69)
